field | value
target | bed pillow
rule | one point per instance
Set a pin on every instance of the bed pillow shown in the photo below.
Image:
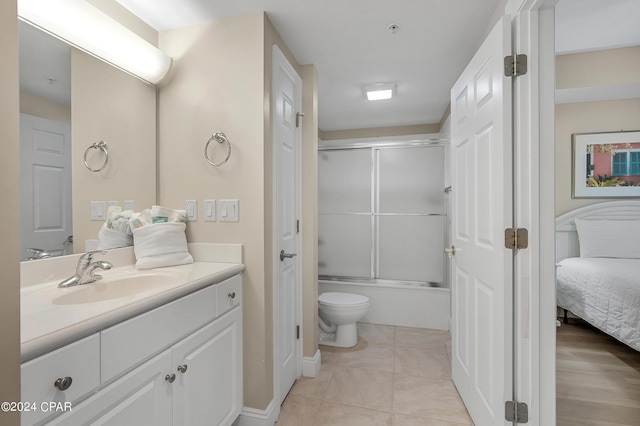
(609, 238)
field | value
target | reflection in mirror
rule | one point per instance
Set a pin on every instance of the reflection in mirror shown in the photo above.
(45, 141)
(70, 100)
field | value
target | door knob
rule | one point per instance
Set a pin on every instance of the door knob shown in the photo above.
(182, 368)
(284, 255)
(450, 250)
(170, 378)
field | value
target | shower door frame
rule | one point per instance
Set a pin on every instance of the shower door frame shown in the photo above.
(375, 148)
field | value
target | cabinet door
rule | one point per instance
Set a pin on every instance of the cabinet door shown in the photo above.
(209, 391)
(141, 397)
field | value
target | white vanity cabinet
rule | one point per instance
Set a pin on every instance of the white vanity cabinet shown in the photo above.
(178, 364)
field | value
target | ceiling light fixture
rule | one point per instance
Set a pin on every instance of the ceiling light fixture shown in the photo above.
(84, 26)
(379, 91)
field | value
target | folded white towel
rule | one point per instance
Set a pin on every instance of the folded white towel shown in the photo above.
(161, 244)
(108, 238)
(157, 214)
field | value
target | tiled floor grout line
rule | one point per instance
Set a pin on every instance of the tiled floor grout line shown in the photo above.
(430, 345)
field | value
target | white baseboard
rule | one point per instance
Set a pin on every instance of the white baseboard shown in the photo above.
(311, 365)
(253, 417)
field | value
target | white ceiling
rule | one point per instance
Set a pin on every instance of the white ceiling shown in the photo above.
(349, 43)
(45, 65)
(584, 25)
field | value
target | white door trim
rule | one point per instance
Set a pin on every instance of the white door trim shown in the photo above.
(281, 62)
(534, 113)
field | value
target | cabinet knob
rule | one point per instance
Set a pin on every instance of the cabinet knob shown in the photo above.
(63, 383)
(182, 368)
(232, 295)
(170, 378)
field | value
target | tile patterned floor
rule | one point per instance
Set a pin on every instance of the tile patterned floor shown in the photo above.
(394, 376)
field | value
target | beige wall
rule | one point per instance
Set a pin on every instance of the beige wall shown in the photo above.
(587, 117)
(9, 243)
(121, 14)
(599, 68)
(111, 106)
(379, 132)
(309, 230)
(221, 81)
(44, 108)
(585, 70)
(217, 85)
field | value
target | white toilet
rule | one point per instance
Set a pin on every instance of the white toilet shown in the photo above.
(337, 316)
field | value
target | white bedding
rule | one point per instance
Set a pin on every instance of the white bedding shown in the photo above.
(605, 293)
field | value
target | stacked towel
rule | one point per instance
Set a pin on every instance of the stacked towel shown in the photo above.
(159, 238)
(116, 231)
(158, 214)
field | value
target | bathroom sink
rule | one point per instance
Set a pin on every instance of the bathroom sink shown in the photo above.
(114, 287)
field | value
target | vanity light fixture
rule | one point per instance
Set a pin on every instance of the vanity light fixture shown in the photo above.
(379, 91)
(82, 25)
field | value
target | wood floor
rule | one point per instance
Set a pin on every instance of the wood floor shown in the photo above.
(598, 378)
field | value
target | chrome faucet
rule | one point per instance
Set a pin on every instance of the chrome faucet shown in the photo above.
(86, 270)
(36, 254)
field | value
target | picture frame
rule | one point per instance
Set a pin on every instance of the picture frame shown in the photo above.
(606, 165)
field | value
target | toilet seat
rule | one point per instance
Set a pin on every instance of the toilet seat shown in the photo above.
(342, 299)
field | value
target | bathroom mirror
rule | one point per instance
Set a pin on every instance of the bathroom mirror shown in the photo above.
(70, 100)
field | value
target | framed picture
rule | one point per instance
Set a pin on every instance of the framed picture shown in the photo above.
(606, 165)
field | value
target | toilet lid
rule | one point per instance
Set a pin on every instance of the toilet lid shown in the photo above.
(342, 299)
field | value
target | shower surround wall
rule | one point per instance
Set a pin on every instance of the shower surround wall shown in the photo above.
(382, 228)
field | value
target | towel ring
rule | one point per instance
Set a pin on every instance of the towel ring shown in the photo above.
(220, 138)
(101, 146)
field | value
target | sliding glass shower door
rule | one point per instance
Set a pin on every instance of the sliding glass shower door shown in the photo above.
(382, 214)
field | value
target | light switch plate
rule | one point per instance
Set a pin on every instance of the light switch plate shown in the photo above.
(98, 210)
(228, 211)
(192, 210)
(112, 203)
(209, 210)
(128, 205)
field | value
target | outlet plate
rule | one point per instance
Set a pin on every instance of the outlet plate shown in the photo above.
(209, 210)
(192, 210)
(128, 205)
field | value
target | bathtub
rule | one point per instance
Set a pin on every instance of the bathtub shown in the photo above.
(399, 304)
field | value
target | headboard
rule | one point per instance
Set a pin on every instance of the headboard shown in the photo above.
(566, 235)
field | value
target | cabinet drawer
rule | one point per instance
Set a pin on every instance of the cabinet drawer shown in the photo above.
(131, 342)
(229, 294)
(80, 361)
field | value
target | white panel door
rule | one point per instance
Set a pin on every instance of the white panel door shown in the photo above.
(45, 185)
(287, 92)
(481, 167)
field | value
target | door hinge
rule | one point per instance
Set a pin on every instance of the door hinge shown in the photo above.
(516, 412)
(297, 332)
(297, 226)
(515, 65)
(516, 238)
(298, 116)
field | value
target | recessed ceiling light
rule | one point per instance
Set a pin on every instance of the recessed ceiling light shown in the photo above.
(380, 91)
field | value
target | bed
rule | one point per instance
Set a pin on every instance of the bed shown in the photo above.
(598, 267)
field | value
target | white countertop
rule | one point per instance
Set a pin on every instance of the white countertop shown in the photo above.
(52, 317)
